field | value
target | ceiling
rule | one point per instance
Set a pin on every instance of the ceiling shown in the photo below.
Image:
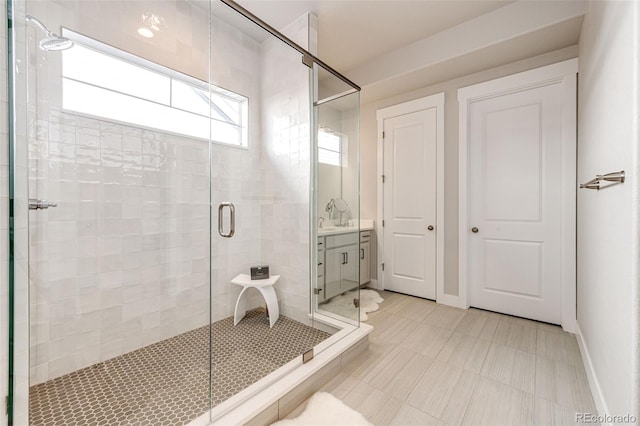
(353, 32)
(380, 44)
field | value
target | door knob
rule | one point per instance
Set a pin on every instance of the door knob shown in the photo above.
(430, 228)
(474, 230)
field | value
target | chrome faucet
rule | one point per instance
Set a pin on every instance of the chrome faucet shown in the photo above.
(320, 222)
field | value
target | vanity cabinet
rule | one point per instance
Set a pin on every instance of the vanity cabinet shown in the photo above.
(321, 269)
(338, 260)
(365, 257)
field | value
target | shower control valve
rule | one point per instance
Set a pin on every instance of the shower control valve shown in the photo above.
(35, 204)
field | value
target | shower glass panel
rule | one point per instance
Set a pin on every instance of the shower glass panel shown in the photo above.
(337, 212)
(118, 139)
(168, 149)
(260, 327)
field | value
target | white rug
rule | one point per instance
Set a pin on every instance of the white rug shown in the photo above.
(343, 304)
(324, 409)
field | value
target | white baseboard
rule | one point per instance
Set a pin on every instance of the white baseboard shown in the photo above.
(594, 384)
(373, 284)
(450, 300)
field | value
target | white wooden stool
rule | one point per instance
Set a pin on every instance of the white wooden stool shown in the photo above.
(265, 287)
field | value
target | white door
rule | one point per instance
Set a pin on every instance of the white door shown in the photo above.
(410, 203)
(515, 220)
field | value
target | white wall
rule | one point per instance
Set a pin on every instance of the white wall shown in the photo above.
(608, 231)
(368, 138)
(123, 261)
(285, 170)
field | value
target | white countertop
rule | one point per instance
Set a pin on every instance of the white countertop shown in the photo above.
(331, 229)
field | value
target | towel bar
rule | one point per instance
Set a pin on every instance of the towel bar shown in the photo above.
(613, 177)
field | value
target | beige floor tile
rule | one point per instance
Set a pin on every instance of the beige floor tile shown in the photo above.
(572, 387)
(414, 308)
(472, 322)
(445, 317)
(391, 300)
(549, 413)
(490, 327)
(372, 315)
(511, 367)
(378, 407)
(424, 373)
(398, 376)
(523, 376)
(465, 351)
(496, 404)
(545, 378)
(498, 365)
(427, 339)
(391, 329)
(516, 335)
(558, 346)
(410, 416)
(521, 321)
(550, 328)
(443, 392)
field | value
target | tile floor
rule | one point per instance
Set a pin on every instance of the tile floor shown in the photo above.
(167, 383)
(428, 364)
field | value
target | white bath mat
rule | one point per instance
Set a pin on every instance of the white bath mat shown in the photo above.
(324, 409)
(343, 304)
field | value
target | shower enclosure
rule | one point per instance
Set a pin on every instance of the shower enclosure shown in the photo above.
(158, 150)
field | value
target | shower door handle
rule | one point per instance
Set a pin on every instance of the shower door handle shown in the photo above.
(232, 219)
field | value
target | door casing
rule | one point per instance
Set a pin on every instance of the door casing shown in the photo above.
(434, 101)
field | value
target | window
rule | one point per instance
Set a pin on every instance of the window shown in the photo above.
(105, 82)
(332, 147)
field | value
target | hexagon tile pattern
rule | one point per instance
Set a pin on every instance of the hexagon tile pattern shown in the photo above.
(167, 383)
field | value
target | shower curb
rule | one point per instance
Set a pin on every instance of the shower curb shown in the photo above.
(277, 400)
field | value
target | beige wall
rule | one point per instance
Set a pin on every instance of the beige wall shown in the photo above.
(368, 142)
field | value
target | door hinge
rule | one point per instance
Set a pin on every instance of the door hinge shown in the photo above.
(382, 178)
(383, 134)
(383, 223)
(317, 290)
(383, 266)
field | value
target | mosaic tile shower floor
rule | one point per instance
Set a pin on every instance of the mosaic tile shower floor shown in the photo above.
(167, 383)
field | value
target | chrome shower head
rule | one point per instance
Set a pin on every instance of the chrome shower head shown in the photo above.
(52, 41)
(55, 43)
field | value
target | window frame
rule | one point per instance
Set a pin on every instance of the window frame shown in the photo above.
(129, 58)
(343, 153)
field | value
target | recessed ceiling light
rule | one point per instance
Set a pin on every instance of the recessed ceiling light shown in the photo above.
(150, 23)
(145, 32)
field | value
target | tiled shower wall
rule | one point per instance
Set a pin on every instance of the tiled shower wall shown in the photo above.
(285, 171)
(122, 262)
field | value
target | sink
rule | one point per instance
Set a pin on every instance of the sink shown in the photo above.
(365, 224)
